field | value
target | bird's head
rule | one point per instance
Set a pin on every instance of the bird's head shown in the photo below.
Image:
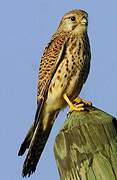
(75, 20)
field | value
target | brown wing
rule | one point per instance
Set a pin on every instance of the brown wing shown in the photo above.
(51, 59)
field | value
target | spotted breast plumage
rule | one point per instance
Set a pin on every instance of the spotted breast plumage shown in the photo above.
(64, 68)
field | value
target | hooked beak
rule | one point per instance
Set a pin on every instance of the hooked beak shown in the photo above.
(84, 21)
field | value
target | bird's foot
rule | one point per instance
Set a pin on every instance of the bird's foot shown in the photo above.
(78, 104)
(78, 107)
(78, 100)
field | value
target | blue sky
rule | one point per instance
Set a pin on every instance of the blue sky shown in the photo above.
(25, 28)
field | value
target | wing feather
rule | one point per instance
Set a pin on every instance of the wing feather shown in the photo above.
(52, 57)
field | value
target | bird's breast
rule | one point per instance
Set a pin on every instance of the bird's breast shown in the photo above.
(69, 75)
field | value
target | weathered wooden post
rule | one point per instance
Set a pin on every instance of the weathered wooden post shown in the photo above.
(86, 146)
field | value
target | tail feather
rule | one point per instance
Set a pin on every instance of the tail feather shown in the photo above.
(36, 147)
(28, 138)
(26, 142)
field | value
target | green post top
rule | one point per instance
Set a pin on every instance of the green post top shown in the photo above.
(86, 146)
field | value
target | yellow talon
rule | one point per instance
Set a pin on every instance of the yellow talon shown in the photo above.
(73, 107)
(80, 104)
(79, 107)
(79, 100)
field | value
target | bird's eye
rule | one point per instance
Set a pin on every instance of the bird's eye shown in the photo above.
(73, 18)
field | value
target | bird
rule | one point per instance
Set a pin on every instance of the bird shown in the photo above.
(64, 68)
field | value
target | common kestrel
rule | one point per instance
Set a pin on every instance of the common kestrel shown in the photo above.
(64, 68)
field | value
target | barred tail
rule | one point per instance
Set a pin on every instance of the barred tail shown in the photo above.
(37, 145)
